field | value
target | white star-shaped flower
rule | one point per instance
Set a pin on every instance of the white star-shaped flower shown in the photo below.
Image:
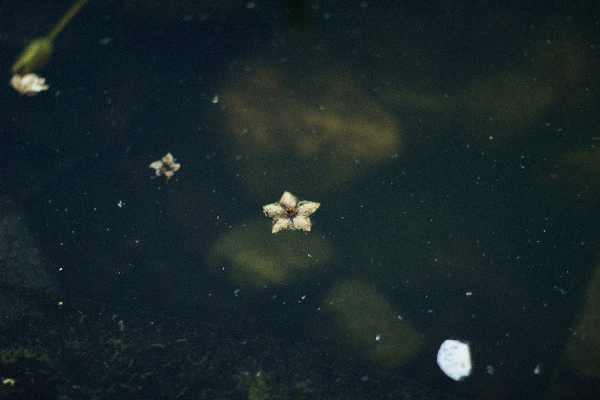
(288, 213)
(166, 166)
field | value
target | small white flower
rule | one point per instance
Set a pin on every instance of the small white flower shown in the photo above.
(28, 85)
(288, 213)
(166, 166)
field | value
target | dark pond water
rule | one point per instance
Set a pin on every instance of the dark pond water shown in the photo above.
(452, 146)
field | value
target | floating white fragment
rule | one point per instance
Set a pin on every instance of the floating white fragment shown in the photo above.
(28, 85)
(454, 359)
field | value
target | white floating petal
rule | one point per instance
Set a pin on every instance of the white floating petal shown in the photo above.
(454, 359)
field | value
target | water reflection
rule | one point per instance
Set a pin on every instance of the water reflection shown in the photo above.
(456, 167)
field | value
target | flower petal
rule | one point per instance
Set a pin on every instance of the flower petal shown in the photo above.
(306, 208)
(274, 210)
(288, 200)
(302, 223)
(157, 165)
(283, 223)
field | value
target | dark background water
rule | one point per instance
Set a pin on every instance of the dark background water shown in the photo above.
(482, 228)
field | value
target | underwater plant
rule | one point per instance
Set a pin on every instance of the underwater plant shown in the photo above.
(38, 51)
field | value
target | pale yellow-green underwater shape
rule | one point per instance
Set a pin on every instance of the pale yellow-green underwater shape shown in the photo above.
(582, 352)
(586, 159)
(37, 53)
(253, 257)
(557, 73)
(363, 323)
(305, 134)
(22, 263)
(494, 108)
